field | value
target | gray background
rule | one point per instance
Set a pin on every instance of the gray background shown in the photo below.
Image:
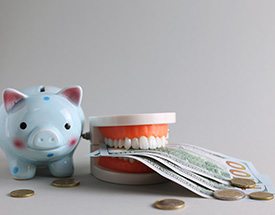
(212, 62)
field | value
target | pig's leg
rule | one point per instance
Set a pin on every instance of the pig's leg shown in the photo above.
(63, 167)
(20, 169)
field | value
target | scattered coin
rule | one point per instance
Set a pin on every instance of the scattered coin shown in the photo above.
(22, 193)
(68, 182)
(261, 195)
(243, 183)
(169, 204)
(229, 194)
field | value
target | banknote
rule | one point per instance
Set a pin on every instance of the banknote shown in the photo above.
(176, 156)
(206, 182)
(173, 176)
(235, 167)
(199, 185)
(204, 166)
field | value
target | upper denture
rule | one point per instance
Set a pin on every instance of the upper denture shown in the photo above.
(137, 143)
(121, 132)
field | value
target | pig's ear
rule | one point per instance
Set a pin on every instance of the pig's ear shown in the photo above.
(73, 94)
(11, 97)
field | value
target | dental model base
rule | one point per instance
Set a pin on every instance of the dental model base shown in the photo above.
(40, 126)
(139, 131)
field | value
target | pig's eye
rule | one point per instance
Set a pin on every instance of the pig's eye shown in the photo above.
(42, 89)
(23, 125)
(67, 126)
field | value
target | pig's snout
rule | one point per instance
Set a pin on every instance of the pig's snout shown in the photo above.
(44, 139)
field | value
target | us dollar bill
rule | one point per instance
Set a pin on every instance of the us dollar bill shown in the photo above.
(208, 183)
(205, 182)
(204, 166)
(173, 176)
(173, 157)
(234, 166)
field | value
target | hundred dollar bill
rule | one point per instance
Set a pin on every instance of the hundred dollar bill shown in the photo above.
(189, 164)
(208, 183)
(184, 158)
(173, 176)
(234, 166)
(193, 162)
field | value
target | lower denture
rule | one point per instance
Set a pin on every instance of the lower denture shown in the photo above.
(121, 165)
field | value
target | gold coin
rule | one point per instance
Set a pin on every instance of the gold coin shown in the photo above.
(261, 195)
(243, 183)
(229, 194)
(21, 193)
(68, 182)
(169, 204)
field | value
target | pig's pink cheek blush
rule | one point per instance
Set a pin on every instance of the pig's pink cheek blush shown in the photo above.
(19, 144)
(72, 142)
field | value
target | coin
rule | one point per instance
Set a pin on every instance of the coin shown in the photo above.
(21, 193)
(169, 204)
(243, 183)
(229, 194)
(68, 182)
(261, 195)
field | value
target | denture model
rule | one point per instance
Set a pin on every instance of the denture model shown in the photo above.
(139, 131)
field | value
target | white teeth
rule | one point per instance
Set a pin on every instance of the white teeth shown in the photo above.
(164, 141)
(127, 143)
(110, 142)
(120, 143)
(138, 143)
(143, 143)
(135, 143)
(152, 142)
(116, 143)
(159, 142)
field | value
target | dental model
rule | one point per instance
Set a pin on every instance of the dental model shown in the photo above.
(139, 131)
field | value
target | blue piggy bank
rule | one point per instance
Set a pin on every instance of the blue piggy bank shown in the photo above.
(41, 126)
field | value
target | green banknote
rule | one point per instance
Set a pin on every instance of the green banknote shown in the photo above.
(201, 165)
(206, 170)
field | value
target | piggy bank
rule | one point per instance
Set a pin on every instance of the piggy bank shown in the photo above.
(41, 126)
